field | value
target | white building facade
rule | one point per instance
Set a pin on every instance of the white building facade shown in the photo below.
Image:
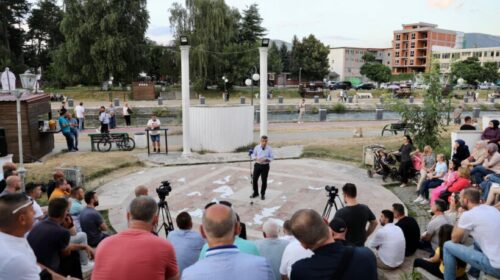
(447, 56)
(346, 62)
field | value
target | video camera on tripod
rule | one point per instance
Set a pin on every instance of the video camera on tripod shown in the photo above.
(163, 191)
(332, 193)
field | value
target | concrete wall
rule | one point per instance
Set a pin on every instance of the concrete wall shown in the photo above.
(221, 128)
(470, 137)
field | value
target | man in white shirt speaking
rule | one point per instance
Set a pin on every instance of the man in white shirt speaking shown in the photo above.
(389, 241)
(262, 154)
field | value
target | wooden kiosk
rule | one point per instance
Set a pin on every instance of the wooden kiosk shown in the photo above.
(35, 109)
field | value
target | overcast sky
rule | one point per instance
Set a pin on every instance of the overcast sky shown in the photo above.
(357, 23)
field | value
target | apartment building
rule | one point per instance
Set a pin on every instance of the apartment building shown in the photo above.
(346, 62)
(412, 46)
(447, 56)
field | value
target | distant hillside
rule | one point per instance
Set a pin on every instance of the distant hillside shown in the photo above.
(480, 40)
(280, 42)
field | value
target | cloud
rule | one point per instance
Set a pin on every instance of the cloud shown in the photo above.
(443, 4)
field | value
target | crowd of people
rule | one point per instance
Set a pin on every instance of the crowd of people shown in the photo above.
(70, 236)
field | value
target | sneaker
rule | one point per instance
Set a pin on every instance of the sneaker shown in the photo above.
(424, 202)
(263, 197)
(419, 198)
(154, 150)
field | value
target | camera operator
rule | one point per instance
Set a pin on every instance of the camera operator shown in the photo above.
(356, 216)
(263, 155)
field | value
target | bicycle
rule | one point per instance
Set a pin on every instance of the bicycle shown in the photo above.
(123, 143)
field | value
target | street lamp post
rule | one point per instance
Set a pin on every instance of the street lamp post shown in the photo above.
(300, 75)
(253, 78)
(226, 95)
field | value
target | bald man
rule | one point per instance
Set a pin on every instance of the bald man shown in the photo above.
(271, 247)
(8, 168)
(141, 190)
(223, 259)
(12, 185)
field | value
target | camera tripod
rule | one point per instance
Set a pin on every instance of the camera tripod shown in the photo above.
(167, 224)
(331, 202)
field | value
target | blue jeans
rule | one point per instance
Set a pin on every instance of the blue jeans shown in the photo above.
(429, 184)
(477, 173)
(472, 256)
(486, 185)
(69, 140)
(81, 124)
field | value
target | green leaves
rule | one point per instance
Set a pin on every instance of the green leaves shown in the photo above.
(312, 56)
(473, 73)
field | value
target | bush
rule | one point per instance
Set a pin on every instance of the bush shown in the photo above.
(338, 108)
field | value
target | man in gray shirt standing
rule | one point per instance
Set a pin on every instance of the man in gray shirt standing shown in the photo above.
(271, 247)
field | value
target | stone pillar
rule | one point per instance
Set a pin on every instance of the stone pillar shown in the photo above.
(322, 115)
(316, 99)
(202, 100)
(263, 90)
(186, 150)
(117, 102)
(242, 100)
(379, 114)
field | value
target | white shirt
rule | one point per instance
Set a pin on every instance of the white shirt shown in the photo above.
(17, 260)
(391, 244)
(288, 238)
(150, 125)
(125, 111)
(80, 112)
(483, 224)
(37, 209)
(293, 252)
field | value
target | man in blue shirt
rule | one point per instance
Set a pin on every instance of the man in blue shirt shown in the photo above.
(187, 243)
(262, 154)
(224, 260)
(66, 131)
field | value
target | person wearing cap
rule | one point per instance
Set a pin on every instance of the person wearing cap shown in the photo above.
(339, 230)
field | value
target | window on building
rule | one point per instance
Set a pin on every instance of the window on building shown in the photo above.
(492, 54)
(413, 35)
(397, 54)
(398, 37)
(349, 70)
(411, 62)
(455, 55)
(485, 54)
(397, 46)
(464, 54)
(477, 54)
(412, 53)
(388, 54)
(445, 56)
(436, 55)
(498, 54)
(412, 44)
(397, 61)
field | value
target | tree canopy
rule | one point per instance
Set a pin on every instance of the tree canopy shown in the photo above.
(473, 73)
(374, 70)
(312, 56)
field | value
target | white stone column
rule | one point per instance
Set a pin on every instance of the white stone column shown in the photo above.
(186, 149)
(263, 90)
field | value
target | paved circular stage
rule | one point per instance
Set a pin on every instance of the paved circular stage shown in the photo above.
(292, 185)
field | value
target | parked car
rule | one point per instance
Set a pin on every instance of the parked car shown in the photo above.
(487, 86)
(346, 85)
(366, 86)
(420, 86)
(464, 86)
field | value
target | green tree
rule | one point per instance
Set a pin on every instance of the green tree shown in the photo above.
(312, 56)
(427, 119)
(274, 59)
(44, 33)
(470, 70)
(374, 70)
(490, 72)
(12, 35)
(285, 57)
(103, 38)
(251, 29)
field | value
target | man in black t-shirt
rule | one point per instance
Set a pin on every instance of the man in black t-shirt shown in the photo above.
(331, 259)
(410, 228)
(356, 216)
(467, 124)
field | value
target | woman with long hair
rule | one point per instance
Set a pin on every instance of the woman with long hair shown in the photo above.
(405, 159)
(453, 213)
(429, 160)
(435, 264)
(433, 180)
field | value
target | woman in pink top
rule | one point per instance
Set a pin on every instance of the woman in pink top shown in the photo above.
(449, 179)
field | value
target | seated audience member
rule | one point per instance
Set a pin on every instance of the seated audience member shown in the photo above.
(91, 221)
(34, 191)
(287, 232)
(141, 190)
(478, 155)
(8, 169)
(448, 179)
(453, 213)
(17, 260)
(487, 183)
(293, 252)
(77, 196)
(12, 185)
(62, 189)
(410, 228)
(483, 223)
(492, 194)
(223, 259)
(51, 241)
(429, 163)
(243, 245)
(187, 242)
(462, 182)
(433, 180)
(356, 216)
(389, 241)
(491, 164)
(136, 253)
(271, 247)
(492, 132)
(52, 183)
(467, 124)
(460, 151)
(339, 230)
(430, 238)
(434, 265)
(327, 262)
